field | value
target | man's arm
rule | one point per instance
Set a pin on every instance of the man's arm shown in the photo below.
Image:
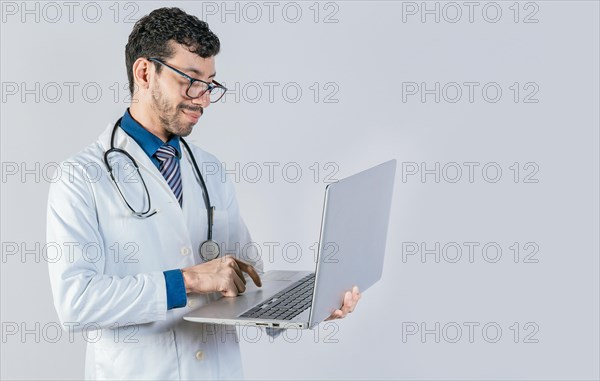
(82, 292)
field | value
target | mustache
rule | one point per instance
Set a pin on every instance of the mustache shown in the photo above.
(199, 109)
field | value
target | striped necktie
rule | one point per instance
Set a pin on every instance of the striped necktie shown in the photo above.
(169, 168)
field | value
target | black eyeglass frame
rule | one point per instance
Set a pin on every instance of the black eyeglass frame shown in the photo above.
(210, 86)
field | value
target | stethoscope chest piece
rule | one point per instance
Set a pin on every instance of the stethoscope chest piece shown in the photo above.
(209, 250)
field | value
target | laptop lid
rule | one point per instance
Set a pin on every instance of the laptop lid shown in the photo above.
(353, 237)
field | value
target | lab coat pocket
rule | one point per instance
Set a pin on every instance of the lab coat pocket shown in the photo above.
(151, 356)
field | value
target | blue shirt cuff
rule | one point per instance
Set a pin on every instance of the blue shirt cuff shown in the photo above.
(176, 296)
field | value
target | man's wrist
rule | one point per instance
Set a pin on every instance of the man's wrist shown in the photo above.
(187, 281)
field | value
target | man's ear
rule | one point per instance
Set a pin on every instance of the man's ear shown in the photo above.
(141, 73)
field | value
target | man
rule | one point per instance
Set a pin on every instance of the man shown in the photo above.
(132, 237)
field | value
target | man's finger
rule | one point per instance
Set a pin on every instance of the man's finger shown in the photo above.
(239, 284)
(353, 306)
(348, 303)
(238, 271)
(234, 264)
(337, 314)
(249, 269)
(230, 289)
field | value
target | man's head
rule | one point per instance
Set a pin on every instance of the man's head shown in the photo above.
(174, 40)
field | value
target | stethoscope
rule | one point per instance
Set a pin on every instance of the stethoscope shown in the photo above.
(208, 249)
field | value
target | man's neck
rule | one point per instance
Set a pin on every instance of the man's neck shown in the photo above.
(147, 120)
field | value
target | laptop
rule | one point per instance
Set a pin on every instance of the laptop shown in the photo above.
(351, 250)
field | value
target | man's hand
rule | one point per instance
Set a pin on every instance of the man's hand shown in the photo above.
(350, 302)
(221, 274)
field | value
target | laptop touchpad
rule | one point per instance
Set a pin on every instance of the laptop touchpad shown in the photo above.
(279, 275)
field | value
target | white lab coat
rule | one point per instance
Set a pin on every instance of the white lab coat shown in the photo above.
(110, 273)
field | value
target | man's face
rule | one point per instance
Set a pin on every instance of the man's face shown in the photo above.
(177, 112)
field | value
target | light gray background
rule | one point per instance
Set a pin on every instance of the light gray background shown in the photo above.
(368, 53)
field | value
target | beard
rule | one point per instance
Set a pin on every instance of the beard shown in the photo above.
(171, 116)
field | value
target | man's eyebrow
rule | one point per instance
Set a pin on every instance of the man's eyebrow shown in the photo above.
(199, 73)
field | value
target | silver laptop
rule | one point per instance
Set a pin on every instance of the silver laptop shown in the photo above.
(351, 250)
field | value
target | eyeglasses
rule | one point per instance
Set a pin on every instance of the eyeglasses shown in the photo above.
(198, 87)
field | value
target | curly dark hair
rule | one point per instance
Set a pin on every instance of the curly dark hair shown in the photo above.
(151, 35)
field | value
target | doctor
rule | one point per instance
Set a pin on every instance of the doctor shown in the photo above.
(132, 211)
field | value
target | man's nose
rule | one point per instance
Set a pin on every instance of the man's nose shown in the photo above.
(203, 100)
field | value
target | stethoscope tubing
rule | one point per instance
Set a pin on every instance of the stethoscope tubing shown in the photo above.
(209, 243)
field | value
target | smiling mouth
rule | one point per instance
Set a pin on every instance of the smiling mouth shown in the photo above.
(192, 114)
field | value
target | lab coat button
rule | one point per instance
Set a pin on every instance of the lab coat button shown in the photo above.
(199, 355)
(185, 251)
(191, 303)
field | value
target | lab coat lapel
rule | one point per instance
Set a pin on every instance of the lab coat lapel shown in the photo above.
(147, 167)
(194, 210)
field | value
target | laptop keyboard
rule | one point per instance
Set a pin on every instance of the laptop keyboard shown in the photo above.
(287, 303)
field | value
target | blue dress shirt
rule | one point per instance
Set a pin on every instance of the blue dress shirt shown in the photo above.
(150, 143)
